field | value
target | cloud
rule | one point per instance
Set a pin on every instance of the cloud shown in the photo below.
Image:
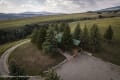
(70, 6)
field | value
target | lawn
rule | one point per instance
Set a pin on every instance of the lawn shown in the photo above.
(33, 60)
(110, 51)
(6, 46)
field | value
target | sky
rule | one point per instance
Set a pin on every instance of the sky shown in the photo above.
(57, 6)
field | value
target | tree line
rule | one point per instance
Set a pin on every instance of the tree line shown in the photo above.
(16, 33)
(45, 38)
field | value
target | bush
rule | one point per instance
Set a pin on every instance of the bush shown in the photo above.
(52, 75)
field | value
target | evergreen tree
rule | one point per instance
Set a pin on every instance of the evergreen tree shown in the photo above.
(85, 38)
(108, 34)
(41, 37)
(52, 75)
(67, 41)
(50, 44)
(95, 38)
(77, 32)
(61, 27)
(34, 36)
(56, 28)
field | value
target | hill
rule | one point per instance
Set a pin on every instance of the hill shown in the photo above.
(116, 8)
(9, 16)
(39, 19)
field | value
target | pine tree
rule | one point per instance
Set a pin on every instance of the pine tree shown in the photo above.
(61, 27)
(41, 37)
(34, 36)
(95, 38)
(56, 28)
(108, 34)
(67, 41)
(50, 44)
(85, 38)
(77, 32)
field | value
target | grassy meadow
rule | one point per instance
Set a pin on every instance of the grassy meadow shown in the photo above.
(102, 24)
(21, 22)
(6, 46)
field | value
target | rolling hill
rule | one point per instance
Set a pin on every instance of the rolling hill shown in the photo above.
(116, 8)
(9, 16)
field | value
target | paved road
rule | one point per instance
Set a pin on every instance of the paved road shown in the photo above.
(4, 59)
(86, 67)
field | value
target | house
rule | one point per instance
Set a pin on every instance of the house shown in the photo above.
(59, 39)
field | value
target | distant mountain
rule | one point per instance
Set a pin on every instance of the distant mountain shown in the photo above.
(4, 16)
(42, 13)
(117, 8)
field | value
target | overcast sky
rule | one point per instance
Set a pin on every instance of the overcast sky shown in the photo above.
(69, 6)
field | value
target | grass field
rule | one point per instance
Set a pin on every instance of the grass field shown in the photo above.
(21, 22)
(6, 46)
(33, 60)
(110, 51)
(102, 24)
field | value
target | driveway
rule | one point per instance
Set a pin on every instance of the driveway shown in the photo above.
(86, 67)
(82, 67)
(4, 58)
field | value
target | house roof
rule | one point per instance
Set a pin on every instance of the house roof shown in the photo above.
(76, 42)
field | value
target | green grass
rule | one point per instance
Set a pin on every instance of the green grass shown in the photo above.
(103, 25)
(33, 60)
(21, 22)
(110, 51)
(6, 46)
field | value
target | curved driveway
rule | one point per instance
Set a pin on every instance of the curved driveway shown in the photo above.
(4, 58)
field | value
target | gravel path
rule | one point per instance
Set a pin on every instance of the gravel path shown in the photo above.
(86, 67)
